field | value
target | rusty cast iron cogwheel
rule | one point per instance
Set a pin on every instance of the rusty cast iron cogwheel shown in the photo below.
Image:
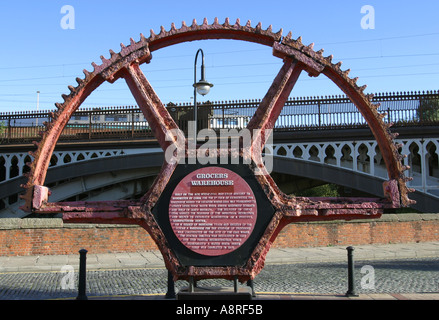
(296, 57)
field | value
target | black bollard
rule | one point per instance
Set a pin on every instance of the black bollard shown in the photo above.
(170, 294)
(250, 284)
(351, 282)
(82, 275)
(191, 284)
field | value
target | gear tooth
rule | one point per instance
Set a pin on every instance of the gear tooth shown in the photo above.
(58, 105)
(248, 24)
(162, 31)
(280, 32)
(72, 89)
(362, 88)
(354, 80)
(288, 36)
(142, 38)
(320, 52)
(152, 35)
(95, 66)
(395, 135)
(226, 22)
(299, 41)
(183, 24)
(338, 65)
(376, 105)
(194, 24)
(79, 81)
(86, 73)
(259, 27)
(205, 23)
(408, 179)
(122, 46)
(173, 28)
(311, 46)
(238, 23)
(370, 96)
(132, 41)
(215, 22)
(329, 58)
(65, 97)
(346, 72)
(270, 29)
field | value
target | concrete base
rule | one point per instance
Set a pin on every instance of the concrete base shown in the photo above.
(215, 293)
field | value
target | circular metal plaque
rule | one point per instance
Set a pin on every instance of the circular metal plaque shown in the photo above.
(212, 211)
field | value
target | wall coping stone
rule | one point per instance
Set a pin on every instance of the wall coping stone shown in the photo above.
(57, 223)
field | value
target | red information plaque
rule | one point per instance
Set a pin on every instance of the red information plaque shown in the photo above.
(212, 211)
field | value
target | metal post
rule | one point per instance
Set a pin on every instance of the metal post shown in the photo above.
(90, 123)
(191, 284)
(170, 294)
(82, 275)
(351, 283)
(235, 284)
(251, 285)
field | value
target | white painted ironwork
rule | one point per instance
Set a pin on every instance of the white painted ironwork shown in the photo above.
(422, 157)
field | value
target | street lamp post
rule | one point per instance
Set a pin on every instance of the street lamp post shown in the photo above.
(38, 106)
(202, 87)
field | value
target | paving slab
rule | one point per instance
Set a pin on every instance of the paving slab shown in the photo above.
(153, 259)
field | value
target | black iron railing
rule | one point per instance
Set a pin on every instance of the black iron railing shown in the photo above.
(306, 113)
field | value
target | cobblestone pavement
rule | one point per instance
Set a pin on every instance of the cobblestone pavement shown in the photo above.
(419, 275)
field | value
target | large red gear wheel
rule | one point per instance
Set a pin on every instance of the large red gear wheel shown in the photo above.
(297, 58)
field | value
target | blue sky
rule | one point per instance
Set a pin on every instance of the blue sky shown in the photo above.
(37, 54)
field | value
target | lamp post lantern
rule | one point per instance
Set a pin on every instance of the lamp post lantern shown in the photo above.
(202, 87)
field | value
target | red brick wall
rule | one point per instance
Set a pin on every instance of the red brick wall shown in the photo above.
(39, 237)
(356, 233)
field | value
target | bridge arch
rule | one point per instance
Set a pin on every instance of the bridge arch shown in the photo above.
(128, 168)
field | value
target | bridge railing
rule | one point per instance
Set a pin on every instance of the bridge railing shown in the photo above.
(306, 113)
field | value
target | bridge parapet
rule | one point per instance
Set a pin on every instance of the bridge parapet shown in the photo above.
(298, 114)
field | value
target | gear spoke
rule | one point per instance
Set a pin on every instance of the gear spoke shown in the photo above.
(163, 126)
(271, 105)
